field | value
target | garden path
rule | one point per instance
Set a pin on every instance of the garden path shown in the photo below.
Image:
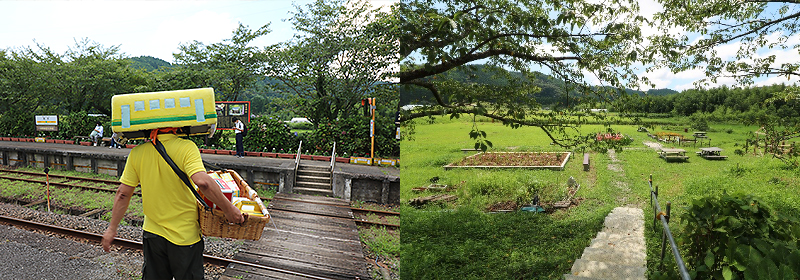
(618, 251)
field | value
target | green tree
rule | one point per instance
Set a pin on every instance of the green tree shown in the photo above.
(41, 81)
(569, 39)
(749, 26)
(340, 54)
(230, 67)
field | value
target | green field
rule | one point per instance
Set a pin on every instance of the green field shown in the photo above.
(460, 240)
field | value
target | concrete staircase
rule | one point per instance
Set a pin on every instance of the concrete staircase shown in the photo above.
(618, 251)
(313, 180)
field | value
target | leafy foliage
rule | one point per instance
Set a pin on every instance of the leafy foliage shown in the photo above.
(268, 133)
(567, 38)
(328, 73)
(231, 65)
(739, 237)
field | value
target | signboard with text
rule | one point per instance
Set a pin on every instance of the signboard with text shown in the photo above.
(227, 110)
(47, 123)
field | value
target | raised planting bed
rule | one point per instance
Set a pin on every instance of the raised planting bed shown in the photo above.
(529, 160)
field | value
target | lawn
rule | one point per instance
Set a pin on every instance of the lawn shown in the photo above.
(460, 240)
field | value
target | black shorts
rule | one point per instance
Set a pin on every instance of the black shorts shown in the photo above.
(164, 260)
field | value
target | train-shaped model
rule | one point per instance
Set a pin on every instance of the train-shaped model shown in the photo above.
(192, 110)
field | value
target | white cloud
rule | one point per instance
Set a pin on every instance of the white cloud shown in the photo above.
(204, 26)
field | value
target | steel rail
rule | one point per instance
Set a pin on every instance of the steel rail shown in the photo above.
(63, 185)
(337, 205)
(136, 245)
(340, 218)
(112, 182)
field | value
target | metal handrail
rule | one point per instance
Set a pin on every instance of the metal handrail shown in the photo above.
(297, 161)
(667, 234)
(333, 156)
(297, 158)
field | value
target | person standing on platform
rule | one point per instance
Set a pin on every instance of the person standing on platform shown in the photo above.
(171, 241)
(239, 127)
(97, 133)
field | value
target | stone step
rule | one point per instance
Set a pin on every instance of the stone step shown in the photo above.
(314, 173)
(623, 226)
(627, 210)
(606, 270)
(314, 179)
(627, 245)
(620, 238)
(312, 191)
(314, 168)
(312, 185)
(576, 277)
(635, 258)
(618, 251)
(630, 218)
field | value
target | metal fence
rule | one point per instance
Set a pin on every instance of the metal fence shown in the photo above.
(666, 233)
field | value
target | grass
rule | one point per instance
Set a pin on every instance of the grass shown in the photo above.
(69, 198)
(459, 240)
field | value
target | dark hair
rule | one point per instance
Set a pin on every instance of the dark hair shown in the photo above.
(98, 123)
(235, 119)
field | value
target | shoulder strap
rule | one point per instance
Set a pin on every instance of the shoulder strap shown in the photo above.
(181, 174)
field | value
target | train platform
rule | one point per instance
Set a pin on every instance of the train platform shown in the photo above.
(212, 158)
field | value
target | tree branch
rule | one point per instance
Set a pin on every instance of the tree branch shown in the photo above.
(755, 30)
(406, 77)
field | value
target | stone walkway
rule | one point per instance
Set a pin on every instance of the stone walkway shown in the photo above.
(618, 251)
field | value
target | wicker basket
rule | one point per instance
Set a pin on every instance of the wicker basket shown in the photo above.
(214, 223)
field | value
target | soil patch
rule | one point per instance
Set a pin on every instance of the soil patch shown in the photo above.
(514, 159)
(502, 206)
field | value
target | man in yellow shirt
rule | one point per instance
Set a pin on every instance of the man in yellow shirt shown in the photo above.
(172, 242)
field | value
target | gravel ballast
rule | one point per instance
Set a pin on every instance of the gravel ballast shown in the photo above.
(39, 255)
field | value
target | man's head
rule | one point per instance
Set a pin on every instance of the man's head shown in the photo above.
(98, 123)
(235, 119)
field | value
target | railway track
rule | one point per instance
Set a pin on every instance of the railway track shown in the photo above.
(136, 245)
(357, 220)
(113, 184)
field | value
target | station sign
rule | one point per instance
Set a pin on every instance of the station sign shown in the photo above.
(47, 123)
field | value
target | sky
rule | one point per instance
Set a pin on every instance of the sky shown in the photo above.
(158, 28)
(152, 28)
(664, 78)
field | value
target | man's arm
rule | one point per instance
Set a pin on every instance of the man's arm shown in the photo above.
(121, 202)
(210, 189)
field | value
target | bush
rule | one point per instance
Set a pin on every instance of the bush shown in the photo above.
(268, 133)
(739, 237)
(301, 126)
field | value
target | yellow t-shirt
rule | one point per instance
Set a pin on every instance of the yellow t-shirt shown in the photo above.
(170, 208)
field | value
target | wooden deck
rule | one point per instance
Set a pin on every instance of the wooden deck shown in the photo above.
(315, 236)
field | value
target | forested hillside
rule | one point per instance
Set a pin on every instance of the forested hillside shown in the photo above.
(148, 63)
(552, 89)
(722, 103)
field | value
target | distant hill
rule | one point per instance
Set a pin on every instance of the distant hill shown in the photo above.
(552, 88)
(483, 74)
(148, 63)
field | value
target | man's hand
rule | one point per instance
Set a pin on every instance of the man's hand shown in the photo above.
(234, 215)
(108, 237)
